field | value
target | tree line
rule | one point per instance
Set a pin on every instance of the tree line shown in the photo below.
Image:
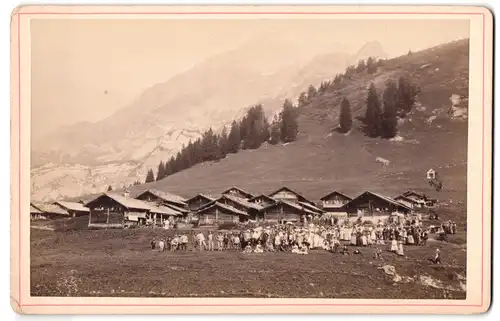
(370, 66)
(381, 116)
(254, 128)
(250, 132)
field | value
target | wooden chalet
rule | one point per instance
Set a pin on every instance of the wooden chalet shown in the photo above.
(288, 195)
(111, 210)
(238, 192)
(36, 213)
(50, 211)
(160, 213)
(370, 204)
(313, 208)
(334, 202)
(184, 211)
(218, 213)
(285, 211)
(262, 200)
(73, 208)
(198, 201)
(252, 209)
(159, 197)
(420, 198)
(411, 203)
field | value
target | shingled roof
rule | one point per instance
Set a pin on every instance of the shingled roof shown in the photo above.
(72, 206)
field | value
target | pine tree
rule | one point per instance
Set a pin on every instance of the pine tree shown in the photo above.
(323, 87)
(150, 177)
(302, 101)
(275, 131)
(373, 116)
(161, 171)
(170, 167)
(350, 71)
(389, 117)
(223, 143)
(345, 118)
(289, 123)
(266, 131)
(361, 66)
(234, 138)
(407, 93)
(110, 188)
(311, 93)
(371, 65)
(337, 80)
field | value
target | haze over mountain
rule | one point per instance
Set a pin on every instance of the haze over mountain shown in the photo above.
(86, 156)
(119, 149)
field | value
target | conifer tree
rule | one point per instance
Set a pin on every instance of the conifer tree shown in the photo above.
(223, 142)
(150, 177)
(161, 171)
(406, 96)
(275, 131)
(110, 188)
(289, 122)
(345, 118)
(361, 66)
(234, 138)
(302, 101)
(371, 65)
(389, 117)
(373, 116)
(311, 93)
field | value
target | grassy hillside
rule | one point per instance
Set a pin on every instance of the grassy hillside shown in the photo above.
(320, 160)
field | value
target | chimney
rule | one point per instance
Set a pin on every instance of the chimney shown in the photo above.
(126, 193)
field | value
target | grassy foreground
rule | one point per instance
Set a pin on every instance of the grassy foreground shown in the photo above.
(121, 263)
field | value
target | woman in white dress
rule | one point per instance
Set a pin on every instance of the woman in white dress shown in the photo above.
(394, 245)
(353, 237)
(410, 239)
(364, 240)
(373, 236)
(400, 249)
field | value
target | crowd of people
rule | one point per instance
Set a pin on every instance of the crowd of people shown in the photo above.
(300, 239)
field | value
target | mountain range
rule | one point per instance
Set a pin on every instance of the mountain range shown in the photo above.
(86, 157)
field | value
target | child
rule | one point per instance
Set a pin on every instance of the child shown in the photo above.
(258, 248)
(437, 258)
(378, 254)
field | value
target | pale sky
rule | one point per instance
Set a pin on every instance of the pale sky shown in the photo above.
(85, 70)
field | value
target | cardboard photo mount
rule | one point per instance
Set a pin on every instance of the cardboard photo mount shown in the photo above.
(479, 164)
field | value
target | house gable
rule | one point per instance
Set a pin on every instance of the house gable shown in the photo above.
(238, 192)
(286, 194)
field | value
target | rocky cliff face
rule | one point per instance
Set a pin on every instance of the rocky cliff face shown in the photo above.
(87, 157)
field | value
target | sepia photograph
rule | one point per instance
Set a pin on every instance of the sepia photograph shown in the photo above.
(257, 156)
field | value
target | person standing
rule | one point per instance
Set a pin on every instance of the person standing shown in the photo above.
(184, 242)
(201, 241)
(394, 245)
(400, 251)
(437, 257)
(161, 244)
(210, 241)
